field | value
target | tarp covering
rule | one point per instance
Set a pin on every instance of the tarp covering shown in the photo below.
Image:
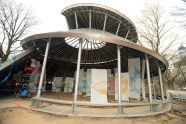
(35, 77)
(14, 65)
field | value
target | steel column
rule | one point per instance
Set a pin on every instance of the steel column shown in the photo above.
(161, 84)
(74, 105)
(43, 68)
(90, 19)
(153, 85)
(120, 111)
(148, 78)
(76, 20)
(142, 79)
(105, 22)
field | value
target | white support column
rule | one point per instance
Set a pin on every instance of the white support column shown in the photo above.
(142, 80)
(43, 68)
(76, 20)
(104, 24)
(120, 110)
(90, 19)
(153, 85)
(74, 105)
(161, 84)
(148, 78)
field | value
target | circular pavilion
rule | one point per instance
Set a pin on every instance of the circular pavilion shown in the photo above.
(101, 38)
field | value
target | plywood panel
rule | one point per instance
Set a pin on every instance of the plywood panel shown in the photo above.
(135, 80)
(124, 86)
(98, 85)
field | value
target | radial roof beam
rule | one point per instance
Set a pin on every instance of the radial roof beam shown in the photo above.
(76, 20)
(105, 21)
(101, 12)
(118, 28)
(90, 18)
(127, 34)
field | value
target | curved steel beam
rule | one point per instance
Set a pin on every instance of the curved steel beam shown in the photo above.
(95, 35)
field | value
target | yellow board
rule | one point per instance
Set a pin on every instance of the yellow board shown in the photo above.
(99, 87)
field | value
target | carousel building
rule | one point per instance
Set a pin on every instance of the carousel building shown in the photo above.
(98, 57)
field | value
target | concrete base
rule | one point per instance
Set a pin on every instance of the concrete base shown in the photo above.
(74, 108)
(84, 111)
(36, 103)
(155, 108)
(120, 110)
(100, 110)
(62, 110)
(164, 105)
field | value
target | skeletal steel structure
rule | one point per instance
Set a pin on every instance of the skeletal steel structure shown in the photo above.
(98, 37)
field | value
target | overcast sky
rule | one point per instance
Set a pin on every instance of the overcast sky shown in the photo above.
(48, 12)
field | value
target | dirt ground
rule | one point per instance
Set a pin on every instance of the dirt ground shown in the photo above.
(24, 116)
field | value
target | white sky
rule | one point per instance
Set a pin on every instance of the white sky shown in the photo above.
(48, 12)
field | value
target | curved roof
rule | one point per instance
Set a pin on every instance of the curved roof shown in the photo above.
(101, 29)
(100, 17)
(60, 50)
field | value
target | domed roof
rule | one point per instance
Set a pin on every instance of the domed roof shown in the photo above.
(95, 16)
(100, 30)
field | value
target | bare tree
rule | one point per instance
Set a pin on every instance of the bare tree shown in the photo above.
(154, 29)
(170, 77)
(154, 33)
(15, 22)
(181, 67)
